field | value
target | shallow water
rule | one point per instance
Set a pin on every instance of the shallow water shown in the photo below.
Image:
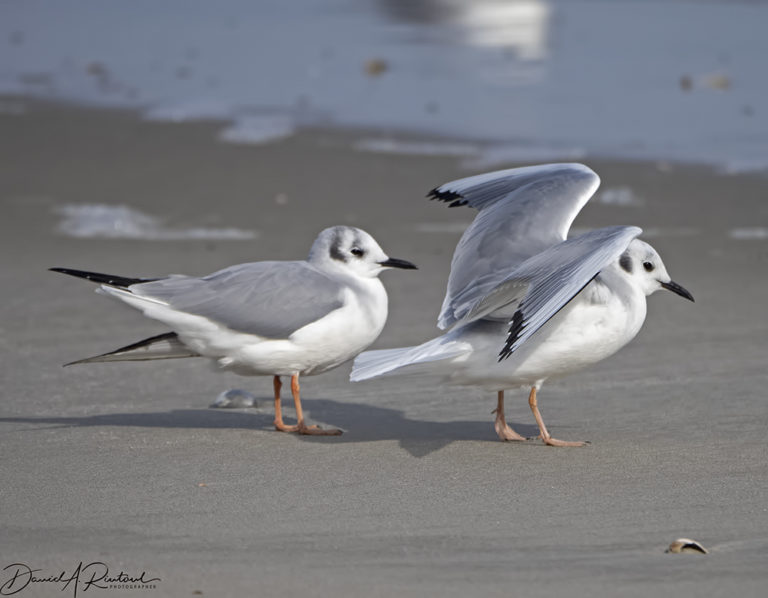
(530, 80)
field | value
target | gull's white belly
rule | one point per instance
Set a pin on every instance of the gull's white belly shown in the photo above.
(590, 328)
(317, 347)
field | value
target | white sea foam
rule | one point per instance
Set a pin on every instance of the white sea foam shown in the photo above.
(189, 110)
(745, 165)
(619, 196)
(100, 221)
(258, 128)
(758, 233)
(441, 227)
(388, 145)
(503, 154)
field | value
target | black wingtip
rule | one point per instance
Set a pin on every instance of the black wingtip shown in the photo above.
(516, 327)
(452, 198)
(108, 279)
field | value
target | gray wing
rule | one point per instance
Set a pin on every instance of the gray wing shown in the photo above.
(552, 278)
(522, 212)
(270, 299)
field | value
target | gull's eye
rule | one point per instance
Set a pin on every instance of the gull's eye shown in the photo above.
(648, 266)
(357, 252)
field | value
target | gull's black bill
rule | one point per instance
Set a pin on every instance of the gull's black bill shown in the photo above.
(677, 289)
(393, 262)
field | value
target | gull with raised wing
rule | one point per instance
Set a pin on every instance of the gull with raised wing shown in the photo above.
(525, 303)
(276, 318)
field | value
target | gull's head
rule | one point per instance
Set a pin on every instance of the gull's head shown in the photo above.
(642, 264)
(352, 250)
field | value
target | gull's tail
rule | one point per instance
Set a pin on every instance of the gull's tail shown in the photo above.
(387, 361)
(108, 279)
(162, 346)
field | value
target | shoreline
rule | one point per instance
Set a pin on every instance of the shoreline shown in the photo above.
(472, 153)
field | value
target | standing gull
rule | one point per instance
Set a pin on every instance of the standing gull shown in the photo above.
(266, 318)
(524, 303)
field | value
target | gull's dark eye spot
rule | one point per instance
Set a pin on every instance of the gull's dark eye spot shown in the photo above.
(648, 266)
(626, 263)
(357, 252)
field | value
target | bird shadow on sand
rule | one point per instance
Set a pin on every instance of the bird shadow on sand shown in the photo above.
(361, 423)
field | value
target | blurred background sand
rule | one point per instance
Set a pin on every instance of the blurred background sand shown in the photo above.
(126, 464)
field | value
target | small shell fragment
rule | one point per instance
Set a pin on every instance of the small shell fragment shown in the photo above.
(234, 398)
(376, 66)
(686, 545)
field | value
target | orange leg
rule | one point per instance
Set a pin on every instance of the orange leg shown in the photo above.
(303, 428)
(279, 425)
(503, 431)
(543, 429)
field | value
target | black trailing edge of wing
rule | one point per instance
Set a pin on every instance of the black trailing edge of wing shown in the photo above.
(108, 279)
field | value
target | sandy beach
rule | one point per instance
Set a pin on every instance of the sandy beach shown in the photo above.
(125, 464)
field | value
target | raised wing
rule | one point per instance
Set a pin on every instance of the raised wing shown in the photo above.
(269, 299)
(557, 275)
(522, 212)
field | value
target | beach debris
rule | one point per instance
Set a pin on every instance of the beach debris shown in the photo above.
(97, 69)
(685, 545)
(376, 66)
(234, 398)
(101, 75)
(718, 81)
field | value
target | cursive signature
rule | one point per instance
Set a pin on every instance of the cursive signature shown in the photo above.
(92, 575)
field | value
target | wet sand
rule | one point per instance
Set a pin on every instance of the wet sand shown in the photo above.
(125, 464)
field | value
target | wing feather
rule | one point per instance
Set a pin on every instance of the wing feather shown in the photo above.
(522, 211)
(269, 299)
(560, 273)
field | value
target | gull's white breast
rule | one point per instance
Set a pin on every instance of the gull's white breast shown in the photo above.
(328, 342)
(599, 321)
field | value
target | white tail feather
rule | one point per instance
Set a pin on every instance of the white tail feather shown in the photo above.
(386, 361)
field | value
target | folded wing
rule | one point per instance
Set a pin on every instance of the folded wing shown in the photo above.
(268, 299)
